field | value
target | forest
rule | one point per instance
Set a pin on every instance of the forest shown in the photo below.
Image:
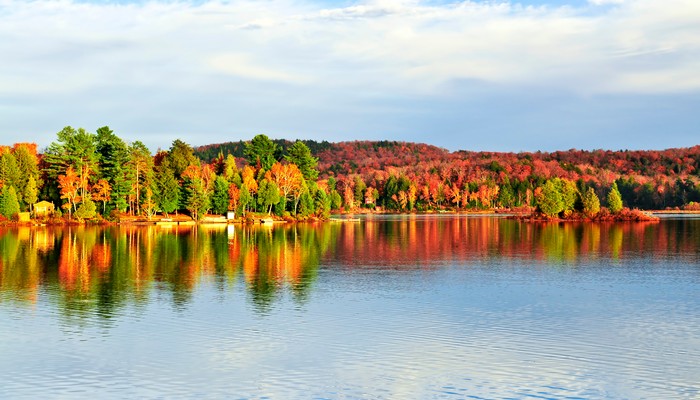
(406, 177)
(100, 176)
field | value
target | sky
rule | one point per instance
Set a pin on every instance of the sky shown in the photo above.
(492, 75)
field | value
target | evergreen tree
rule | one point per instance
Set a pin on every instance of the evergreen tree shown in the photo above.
(506, 198)
(281, 206)
(591, 203)
(306, 204)
(220, 197)
(167, 196)
(74, 148)
(114, 159)
(550, 201)
(180, 156)
(336, 200)
(9, 171)
(87, 209)
(230, 168)
(197, 202)
(268, 195)
(245, 199)
(614, 199)
(332, 183)
(31, 192)
(141, 165)
(9, 204)
(359, 190)
(261, 151)
(569, 194)
(300, 154)
(322, 204)
(28, 165)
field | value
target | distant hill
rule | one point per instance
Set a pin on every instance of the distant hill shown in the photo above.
(343, 158)
(647, 178)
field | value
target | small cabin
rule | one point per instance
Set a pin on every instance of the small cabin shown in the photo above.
(43, 208)
(231, 215)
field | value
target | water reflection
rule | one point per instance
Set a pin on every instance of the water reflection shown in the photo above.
(102, 269)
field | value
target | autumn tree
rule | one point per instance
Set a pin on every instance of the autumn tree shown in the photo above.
(149, 206)
(288, 179)
(348, 198)
(69, 185)
(234, 195)
(248, 177)
(101, 191)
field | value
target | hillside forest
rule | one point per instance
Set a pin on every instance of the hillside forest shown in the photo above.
(99, 175)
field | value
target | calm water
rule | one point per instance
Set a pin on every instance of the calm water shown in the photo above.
(404, 307)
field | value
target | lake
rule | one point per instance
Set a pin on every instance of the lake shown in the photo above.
(425, 307)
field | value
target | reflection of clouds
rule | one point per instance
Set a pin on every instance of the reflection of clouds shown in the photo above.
(396, 351)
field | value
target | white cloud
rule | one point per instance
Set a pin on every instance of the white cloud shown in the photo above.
(397, 45)
(298, 52)
(605, 2)
(241, 65)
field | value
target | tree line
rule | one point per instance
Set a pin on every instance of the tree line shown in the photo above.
(89, 175)
(99, 174)
(400, 176)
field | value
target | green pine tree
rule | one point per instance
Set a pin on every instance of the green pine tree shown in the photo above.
(591, 203)
(550, 201)
(261, 150)
(31, 192)
(614, 199)
(167, 193)
(220, 198)
(9, 204)
(87, 209)
(300, 154)
(268, 195)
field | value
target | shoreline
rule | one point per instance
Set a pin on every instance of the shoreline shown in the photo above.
(626, 215)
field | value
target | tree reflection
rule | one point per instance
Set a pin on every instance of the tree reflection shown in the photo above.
(95, 271)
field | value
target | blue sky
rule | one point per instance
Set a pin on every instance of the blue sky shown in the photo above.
(495, 75)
